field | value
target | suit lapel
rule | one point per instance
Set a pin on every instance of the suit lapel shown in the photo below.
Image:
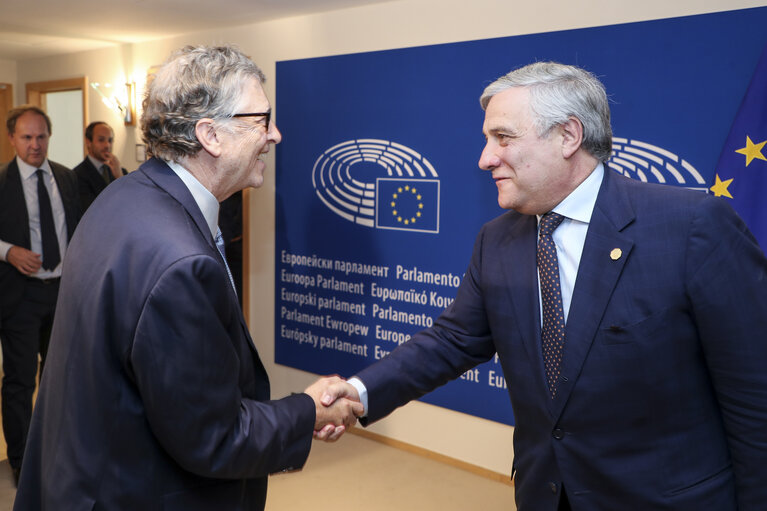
(94, 177)
(14, 186)
(520, 271)
(165, 178)
(598, 273)
(69, 194)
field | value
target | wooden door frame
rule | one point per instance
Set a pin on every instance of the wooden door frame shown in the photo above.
(6, 151)
(36, 94)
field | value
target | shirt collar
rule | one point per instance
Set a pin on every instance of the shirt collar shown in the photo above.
(202, 196)
(26, 170)
(96, 163)
(580, 203)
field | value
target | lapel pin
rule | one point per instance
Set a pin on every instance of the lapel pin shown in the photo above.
(616, 254)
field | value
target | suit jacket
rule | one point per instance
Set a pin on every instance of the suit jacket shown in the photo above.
(662, 398)
(90, 182)
(153, 396)
(14, 223)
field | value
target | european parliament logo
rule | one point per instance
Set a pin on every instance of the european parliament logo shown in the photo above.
(652, 164)
(379, 184)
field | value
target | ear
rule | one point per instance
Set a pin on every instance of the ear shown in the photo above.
(572, 136)
(205, 132)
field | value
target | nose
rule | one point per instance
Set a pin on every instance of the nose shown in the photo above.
(274, 135)
(488, 160)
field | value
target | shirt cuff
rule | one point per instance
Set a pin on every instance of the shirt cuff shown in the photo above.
(362, 391)
(4, 248)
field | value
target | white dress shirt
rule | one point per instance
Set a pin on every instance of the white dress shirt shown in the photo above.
(205, 200)
(570, 236)
(28, 175)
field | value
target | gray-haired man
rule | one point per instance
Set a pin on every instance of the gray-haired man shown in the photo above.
(155, 396)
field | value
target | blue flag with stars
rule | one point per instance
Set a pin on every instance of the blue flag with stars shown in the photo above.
(741, 174)
(408, 204)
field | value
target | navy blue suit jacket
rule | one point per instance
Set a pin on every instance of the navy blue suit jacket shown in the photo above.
(153, 396)
(662, 399)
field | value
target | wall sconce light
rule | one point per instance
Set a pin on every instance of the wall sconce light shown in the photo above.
(123, 102)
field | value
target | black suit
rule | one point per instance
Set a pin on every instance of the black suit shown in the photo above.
(90, 183)
(25, 320)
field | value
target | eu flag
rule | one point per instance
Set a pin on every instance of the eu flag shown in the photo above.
(407, 204)
(741, 174)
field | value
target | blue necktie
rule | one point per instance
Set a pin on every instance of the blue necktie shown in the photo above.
(220, 247)
(51, 254)
(553, 330)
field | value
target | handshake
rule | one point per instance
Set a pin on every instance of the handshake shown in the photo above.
(337, 404)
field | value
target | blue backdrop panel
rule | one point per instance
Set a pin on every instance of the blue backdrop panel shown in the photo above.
(379, 196)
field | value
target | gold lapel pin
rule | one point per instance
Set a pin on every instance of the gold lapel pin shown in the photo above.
(616, 254)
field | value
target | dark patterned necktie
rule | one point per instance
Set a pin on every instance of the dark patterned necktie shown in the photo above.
(553, 329)
(51, 254)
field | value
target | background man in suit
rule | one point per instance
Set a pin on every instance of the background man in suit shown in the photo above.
(100, 167)
(640, 384)
(39, 210)
(154, 395)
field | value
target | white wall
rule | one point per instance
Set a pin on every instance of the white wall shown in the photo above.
(396, 24)
(109, 65)
(8, 72)
(65, 109)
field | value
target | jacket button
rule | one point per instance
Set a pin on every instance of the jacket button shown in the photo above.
(558, 434)
(553, 487)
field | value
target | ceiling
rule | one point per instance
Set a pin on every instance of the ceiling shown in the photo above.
(41, 28)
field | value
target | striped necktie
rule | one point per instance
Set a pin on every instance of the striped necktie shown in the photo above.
(220, 247)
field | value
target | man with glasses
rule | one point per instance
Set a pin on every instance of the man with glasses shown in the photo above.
(155, 396)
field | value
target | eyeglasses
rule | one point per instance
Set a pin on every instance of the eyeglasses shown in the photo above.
(265, 115)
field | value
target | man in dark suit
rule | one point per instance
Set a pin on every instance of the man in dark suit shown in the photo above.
(39, 209)
(154, 396)
(100, 167)
(638, 385)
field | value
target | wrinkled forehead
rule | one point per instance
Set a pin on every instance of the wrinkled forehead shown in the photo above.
(31, 123)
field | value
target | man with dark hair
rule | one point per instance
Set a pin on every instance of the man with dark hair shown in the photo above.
(39, 209)
(629, 318)
(155, 396)
(100, 167)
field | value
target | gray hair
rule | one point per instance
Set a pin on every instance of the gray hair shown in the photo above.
(194, 83)
(558, 92)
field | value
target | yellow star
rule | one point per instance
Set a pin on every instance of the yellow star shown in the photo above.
(720, 187)
(752, 150)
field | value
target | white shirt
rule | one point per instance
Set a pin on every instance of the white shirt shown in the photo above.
(28, 175)
(570, 236)
(569, 239)
(97, 163)
(205, 200)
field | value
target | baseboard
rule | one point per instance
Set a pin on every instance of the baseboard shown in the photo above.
(441, 458)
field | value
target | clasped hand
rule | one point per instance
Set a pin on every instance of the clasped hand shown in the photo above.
(337, 405)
